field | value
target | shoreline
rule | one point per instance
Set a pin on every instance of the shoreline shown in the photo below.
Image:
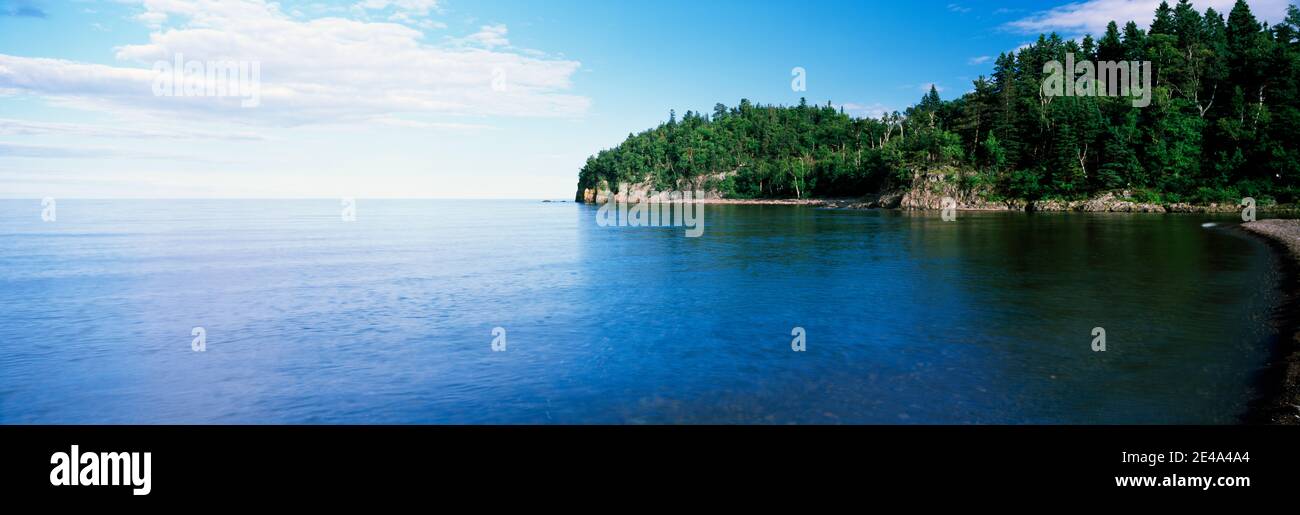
(1279, 400)
(1101, 205)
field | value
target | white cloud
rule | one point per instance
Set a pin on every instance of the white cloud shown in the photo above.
(416, 7)
(958, 8)
(978, 60)
(488, 36)
(17, 150)
(925, 87)
(424, 23)
(1092, 15)
(323, 70)
(409, 12)
(418, 124)
(152, 19)
(10, 127)
(875, 110)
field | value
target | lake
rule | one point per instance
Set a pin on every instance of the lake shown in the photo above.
(390, 318)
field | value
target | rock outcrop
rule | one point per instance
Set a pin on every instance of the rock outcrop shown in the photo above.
(701, 188)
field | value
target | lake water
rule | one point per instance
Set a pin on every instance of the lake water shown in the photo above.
(389, 319)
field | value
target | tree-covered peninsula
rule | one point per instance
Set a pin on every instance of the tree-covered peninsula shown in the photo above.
(1223, 123)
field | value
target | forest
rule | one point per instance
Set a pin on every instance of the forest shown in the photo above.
(1222, 124)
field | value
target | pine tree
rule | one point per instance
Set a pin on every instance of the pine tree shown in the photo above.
(1164, 22)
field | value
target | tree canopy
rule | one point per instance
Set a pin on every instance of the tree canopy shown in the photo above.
(1222, 124)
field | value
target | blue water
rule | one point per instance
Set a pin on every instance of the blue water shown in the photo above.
(389, 319)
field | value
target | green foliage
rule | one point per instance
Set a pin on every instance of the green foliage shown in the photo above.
(756, 150)
(1145, 196)
(1223, 121)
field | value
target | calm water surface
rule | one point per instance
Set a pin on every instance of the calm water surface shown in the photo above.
(389, 319)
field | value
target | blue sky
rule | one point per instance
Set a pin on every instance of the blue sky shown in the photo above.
(453, 98)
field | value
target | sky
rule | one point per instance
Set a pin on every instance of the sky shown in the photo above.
(452, 98)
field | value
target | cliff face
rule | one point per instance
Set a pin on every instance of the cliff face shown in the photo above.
(929, 189)
(701, 188)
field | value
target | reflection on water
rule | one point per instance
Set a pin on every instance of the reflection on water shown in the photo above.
(389, 319)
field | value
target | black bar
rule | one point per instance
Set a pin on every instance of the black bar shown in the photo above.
(287, 462)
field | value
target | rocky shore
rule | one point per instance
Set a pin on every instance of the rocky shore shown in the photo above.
(927, 193)
(911, 201)
(1281, 405)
